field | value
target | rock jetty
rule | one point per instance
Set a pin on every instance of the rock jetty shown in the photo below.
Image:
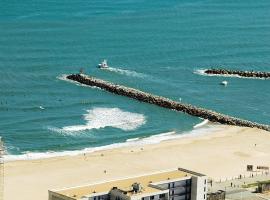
(247, 74)
(164, 102)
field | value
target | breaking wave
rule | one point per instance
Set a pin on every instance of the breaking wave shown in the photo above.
(201, 124)
(154, 139)
(106, 117)
(132, 139)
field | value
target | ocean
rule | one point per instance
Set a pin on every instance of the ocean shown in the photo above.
(153, 45)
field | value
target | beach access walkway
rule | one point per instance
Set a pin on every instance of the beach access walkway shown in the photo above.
(235, 190)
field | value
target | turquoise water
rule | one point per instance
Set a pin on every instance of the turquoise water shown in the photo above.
(152, 45)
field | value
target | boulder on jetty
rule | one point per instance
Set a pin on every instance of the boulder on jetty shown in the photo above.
(248, 74)
(164, 102)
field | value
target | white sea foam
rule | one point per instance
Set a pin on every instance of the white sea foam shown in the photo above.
(31, 15)
(202, 72)
(63, 77)
(203, 123)
(126, 72)
(132, 139)
(108, 117)
(154, 139)
(61, 131)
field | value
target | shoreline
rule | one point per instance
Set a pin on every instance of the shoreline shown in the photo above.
(220, 155)
(153, 139)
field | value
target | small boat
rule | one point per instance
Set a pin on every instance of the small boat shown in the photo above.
(225, 83)
(103, 65)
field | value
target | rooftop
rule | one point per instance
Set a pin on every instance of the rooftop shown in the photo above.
(126, 184)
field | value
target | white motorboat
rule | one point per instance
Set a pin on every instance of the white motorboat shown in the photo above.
(103, 64)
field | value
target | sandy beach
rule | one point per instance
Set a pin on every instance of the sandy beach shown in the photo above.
(222, 154)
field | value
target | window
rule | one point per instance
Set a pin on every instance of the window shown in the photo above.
(205, 181)
(204, 196)
(205, 189)
(162, 196)
(171, 185)
(152, 197)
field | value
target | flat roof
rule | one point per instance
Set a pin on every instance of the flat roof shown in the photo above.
(126, 184)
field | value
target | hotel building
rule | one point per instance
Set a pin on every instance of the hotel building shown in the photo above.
(179, 184)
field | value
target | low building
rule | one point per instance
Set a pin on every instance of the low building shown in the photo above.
(180, 184)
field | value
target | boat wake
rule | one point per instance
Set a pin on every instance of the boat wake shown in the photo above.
(126, 72)
(105, 117)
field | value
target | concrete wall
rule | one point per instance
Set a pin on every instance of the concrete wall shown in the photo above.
(199, 188)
